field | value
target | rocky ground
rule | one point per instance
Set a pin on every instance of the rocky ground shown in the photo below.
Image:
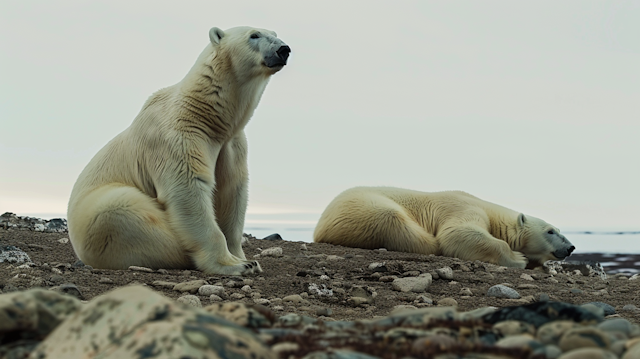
(321, 281)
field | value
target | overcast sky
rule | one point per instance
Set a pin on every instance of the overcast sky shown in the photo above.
(532, 105)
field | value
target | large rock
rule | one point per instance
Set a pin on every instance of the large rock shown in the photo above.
(12, 254)
(136, 322)
(27, 317)
(35, 311)
(541, 313)
(587, 268)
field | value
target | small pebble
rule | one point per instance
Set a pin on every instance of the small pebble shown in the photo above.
(262, 301)
(212, 290)
(525, 276)
(325, 312)
(502, 291)
(445, 273)
(295, 299)
(447, 302)
(68, 288)
(272, 252)
(190, 300)
(608, 309)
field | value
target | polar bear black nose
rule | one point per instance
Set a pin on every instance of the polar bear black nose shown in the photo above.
(283, 52)
(571, 249)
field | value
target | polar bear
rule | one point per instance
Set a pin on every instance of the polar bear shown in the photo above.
(170, 191)
(452, 224)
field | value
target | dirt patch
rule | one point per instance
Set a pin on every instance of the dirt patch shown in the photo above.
(326, 277)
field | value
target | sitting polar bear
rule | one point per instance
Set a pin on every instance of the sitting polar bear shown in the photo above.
(452, 224)
(171, 190)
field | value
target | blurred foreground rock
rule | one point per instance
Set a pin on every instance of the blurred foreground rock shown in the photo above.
(136, 322)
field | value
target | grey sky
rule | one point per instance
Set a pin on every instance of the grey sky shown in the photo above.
(533, 105)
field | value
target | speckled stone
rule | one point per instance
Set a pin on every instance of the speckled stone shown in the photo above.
(208, 290)
(272, 252)
(502, 291)
(240, 314)
(127, 322)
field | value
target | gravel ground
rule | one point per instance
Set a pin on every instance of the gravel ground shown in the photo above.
(321, 280)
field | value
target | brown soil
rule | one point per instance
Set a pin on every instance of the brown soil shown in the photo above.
(297, 269)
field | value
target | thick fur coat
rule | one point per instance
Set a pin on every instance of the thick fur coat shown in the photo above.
(452, 224)
(170, 191)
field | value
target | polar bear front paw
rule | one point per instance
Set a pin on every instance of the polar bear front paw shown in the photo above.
(227, 265)
(517, 260)
(246, 267)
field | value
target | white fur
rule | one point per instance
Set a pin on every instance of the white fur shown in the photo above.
(171, 190)
(453, 224)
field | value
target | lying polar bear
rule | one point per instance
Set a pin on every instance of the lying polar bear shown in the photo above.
(452, 224)
(170, 191)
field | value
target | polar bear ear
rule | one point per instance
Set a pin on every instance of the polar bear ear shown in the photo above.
(215, 35)
(521, 219)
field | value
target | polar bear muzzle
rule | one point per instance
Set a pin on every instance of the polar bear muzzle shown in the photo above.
(279, 57)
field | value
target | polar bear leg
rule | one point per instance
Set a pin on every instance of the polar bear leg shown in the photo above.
(231, 195)
(472, 242)
(116, 226)
(374, 221)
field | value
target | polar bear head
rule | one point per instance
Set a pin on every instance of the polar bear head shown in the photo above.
(251, 52)
(541, 241)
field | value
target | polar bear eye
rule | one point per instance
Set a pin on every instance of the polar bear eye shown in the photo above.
(550, 231)
(254, 36)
